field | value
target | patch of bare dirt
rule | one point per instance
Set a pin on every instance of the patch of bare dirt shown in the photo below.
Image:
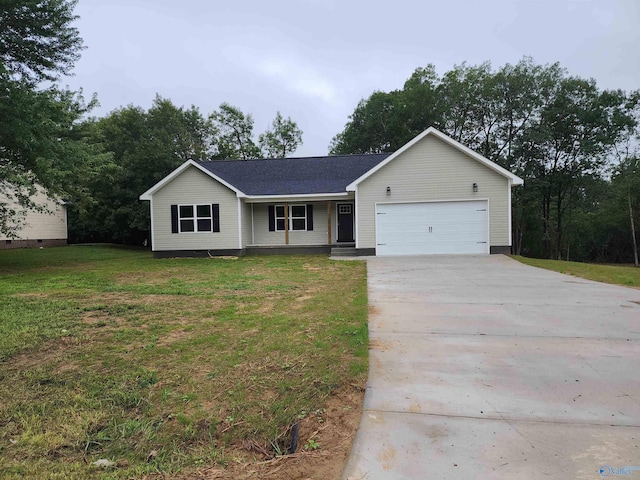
(313, 268)
(30, 295)
(265, 307)
(376, 344)
(332, 429)
(172, 337)
(50, 352)
(95, 317)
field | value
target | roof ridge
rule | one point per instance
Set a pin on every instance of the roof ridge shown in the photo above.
(314, 157)
(312, 175)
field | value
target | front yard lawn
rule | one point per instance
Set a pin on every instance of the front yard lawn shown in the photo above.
(163, 366)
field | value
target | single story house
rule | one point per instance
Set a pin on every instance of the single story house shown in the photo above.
(432, 196)
(37, 229)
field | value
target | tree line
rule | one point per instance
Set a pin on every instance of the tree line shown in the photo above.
(575, 145)
(143, 146)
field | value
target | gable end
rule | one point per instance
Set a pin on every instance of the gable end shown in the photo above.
(514, 179)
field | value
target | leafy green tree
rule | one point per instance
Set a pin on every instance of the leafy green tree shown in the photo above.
(617, 215)
(282, 139)
(564, 147)
(419, 105)
(41, 145)
(466, 93)
(625, 179)
(234, 132)
(37, 39)
(375, 126)
(39, 139)
(626, 188)
(145, 147)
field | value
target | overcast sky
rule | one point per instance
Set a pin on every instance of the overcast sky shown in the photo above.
(313, 60)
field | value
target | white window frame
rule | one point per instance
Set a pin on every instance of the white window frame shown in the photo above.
(195, 217)
(291, 217)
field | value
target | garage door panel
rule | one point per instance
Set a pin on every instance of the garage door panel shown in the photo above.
(432, 228)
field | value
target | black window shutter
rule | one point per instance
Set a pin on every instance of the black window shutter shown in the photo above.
(174, 218)
(309, 217)
(272, 218)
(215, 210)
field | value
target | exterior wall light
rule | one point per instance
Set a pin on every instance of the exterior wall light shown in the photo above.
(388, 191)
(475, 187)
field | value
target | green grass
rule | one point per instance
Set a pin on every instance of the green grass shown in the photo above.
(160, 365)
(628, 276)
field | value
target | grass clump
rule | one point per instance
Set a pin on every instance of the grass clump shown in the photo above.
(160, 365)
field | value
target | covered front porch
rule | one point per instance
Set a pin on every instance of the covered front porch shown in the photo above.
(290, 223)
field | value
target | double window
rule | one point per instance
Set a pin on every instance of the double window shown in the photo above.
(195, 218)
(300, 217)
(297, 217)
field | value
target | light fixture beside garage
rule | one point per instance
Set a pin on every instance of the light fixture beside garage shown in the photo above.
(389, 191)
(475, 187)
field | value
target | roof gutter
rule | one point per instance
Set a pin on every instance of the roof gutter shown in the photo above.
(313, 197)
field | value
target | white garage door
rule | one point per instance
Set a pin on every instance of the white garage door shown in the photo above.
(432, 228)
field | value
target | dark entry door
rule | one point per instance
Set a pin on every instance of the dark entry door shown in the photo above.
(345, 222)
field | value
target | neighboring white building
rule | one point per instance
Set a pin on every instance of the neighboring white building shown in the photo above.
(40, 229)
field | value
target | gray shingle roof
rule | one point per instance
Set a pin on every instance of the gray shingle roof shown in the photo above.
(294, 176)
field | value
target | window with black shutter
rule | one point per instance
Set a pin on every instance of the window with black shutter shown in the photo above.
(300, 218)
(195, 218)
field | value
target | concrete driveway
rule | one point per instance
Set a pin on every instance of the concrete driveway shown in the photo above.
(481, 367)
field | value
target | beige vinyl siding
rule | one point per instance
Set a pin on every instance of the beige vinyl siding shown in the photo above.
(318, 236)
(433, 170)
(194, 187)
(41, 225)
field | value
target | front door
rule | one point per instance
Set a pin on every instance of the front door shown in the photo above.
(345, 222)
